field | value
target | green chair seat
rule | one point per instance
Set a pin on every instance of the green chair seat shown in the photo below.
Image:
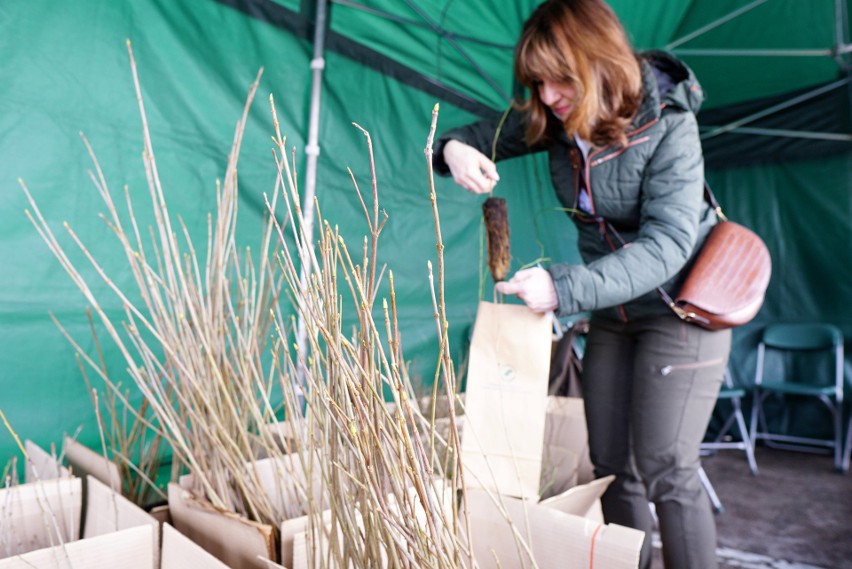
(730, 392)
(798, 388)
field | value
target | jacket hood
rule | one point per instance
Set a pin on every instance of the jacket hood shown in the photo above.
(667, 80)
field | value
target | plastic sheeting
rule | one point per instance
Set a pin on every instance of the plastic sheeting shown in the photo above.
(66, 70)
(70, 72)
(741, 50)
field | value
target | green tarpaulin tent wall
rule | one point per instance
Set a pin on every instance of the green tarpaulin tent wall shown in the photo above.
(776, 129)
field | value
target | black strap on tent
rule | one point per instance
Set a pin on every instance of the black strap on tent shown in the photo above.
(301, 26)
(789, 134)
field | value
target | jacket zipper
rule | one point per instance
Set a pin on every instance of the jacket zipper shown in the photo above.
(574, 155)
(666, 370)
(600, 221)
(587, 176)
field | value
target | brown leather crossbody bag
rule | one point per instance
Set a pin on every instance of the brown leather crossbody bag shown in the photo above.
(727, 283)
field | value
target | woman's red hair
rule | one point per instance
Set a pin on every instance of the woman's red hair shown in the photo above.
(583, 43)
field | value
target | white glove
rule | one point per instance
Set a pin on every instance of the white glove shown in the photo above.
(535, 287)
(470, 168)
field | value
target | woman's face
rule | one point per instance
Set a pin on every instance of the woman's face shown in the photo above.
(557, 95)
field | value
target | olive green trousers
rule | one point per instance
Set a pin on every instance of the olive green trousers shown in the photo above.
(649, 389)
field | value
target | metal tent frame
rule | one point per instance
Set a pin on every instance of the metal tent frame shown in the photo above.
(841, 52)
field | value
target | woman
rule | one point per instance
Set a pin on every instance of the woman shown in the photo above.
(626, 162)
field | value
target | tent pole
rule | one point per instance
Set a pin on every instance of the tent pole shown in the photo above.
(842, 43)
(756, 52)
(843, 40)
(312, 151)
(714, 24)
(833, 136)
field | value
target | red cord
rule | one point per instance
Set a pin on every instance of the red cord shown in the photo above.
(592, 548)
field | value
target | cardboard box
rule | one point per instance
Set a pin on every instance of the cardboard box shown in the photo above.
(231, 538)
(583, 500)
(547, 537)
(293, 536)
(39, 514)
(107, 511)
(83, 462)
(42, 465)
(161, 514)
(564, 531)
(299, 542)
(285, 482)
(128, 549)
(180, 552)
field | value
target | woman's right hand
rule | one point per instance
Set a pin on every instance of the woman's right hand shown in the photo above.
(470, 168)
(535, 287)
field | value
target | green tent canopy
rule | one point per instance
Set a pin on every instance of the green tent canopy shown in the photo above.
(776, 129)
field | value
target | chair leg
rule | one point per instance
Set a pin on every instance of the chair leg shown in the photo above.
(747, 441)
(711, 492)
(837, 412)
(755, 403)
(726, 426)
(847, 449)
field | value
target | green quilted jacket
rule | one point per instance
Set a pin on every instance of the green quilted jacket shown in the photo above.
(651, 191)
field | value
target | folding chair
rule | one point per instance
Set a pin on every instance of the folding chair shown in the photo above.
(811, 344)
(711, 492)
(728, 392)
(724, 440)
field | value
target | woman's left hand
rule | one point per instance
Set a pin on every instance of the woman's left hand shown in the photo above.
(534, 286)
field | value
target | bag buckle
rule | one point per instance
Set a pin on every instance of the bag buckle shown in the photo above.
(687, 316)
(683, 314)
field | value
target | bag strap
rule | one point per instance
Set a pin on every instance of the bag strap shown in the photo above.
(714, 203)
(666, 297)
(606, 225)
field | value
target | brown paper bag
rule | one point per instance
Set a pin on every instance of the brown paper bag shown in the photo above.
(565, 461)
(506, 399)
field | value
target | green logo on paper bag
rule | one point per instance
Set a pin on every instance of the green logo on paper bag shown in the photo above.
(506, 373)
